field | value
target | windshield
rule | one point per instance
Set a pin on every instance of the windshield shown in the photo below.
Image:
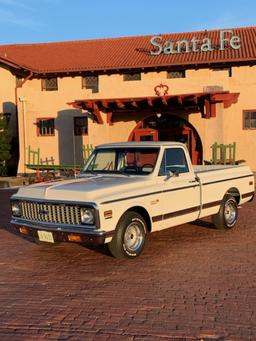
(137, 161)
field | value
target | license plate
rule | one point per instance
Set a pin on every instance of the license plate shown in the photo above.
(45, 236)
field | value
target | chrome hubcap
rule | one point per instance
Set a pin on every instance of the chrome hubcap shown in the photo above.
(133, 237)
(230, 213)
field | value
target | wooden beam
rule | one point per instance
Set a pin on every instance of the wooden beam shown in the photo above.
(89, 104)
(233, 98)
(190, 98)
(195, 99)
(164, 100)
(134, 104)
(226, 98)
(109, 118)
(76, 105)
(219, 97)
(97, 113)
(213, 109)
(207, 108)
(104, 103)
(210, 109)
(149, 101)
(120, 104)
(180, 99)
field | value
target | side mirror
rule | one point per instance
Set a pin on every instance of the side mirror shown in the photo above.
(170, 174)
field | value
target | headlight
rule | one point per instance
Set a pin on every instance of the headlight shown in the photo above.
(87, 216)
(15, 209)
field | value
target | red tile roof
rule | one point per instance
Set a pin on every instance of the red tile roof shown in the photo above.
(125, 53)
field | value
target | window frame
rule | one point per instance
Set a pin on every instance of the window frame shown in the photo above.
(45, 119)
(80, 126)
(127, 75)
(244, 113)
(118, 151)
(44, 86)
(224, 68)
(164, 160)
(93, 88)
(183, 71)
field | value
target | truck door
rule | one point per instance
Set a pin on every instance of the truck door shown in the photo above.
(181, 191)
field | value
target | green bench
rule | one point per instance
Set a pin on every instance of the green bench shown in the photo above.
(224, 154)
(46, 169)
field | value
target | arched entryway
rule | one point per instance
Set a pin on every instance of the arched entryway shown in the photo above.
(169, 128)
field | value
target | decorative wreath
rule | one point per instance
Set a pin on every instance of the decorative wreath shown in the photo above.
(161, 89)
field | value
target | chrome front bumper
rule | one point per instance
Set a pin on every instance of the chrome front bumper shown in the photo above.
(61, 233)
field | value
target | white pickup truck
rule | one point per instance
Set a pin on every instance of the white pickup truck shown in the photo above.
(127, 190)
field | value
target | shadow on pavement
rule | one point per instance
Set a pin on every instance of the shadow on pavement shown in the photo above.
(203, 223)
(5, 211)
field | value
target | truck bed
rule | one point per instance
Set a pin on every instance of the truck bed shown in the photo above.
(218, 173)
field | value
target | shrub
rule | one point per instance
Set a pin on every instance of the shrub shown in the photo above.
(5, 145)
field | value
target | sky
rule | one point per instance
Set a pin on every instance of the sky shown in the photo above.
(31, 21)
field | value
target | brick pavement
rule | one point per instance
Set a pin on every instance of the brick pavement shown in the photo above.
(191, 283)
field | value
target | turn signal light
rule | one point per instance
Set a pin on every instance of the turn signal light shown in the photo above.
(108, 214)
(74, 238)
(24, 230)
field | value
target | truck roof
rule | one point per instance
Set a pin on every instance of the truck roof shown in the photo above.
(142, 144)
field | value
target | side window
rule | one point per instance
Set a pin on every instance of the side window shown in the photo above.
(50, 84)
(176, 74)
(91, 83)
(174, 160)
(132, 76)
(45, 127)
(249, 119)
(80, 125)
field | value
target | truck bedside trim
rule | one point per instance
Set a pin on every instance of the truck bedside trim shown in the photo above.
(171, 190)
(239, 177)
(185, 211)
(194, 209)
(147, 194)
(247, 195)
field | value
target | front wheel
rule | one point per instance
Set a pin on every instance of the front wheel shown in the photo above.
(130, 235)
(226, 218)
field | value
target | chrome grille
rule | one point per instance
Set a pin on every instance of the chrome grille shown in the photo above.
(50, 213)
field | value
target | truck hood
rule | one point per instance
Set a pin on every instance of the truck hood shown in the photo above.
(91, 188)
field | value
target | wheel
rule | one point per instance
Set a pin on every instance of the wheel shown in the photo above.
(129, 238)
(226, 218)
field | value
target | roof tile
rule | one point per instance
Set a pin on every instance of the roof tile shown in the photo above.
(124, 53)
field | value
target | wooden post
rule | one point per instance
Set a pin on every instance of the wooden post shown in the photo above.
(29, 154)
(33, 156)
(224, 154)
(87, 150)
(214, 153)
(234, 153)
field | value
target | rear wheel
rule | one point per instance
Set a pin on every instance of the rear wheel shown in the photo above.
(226, 218)
(129, 238)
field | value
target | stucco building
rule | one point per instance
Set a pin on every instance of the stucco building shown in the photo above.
(195, 87)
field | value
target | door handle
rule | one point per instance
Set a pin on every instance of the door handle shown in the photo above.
(192, 181)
